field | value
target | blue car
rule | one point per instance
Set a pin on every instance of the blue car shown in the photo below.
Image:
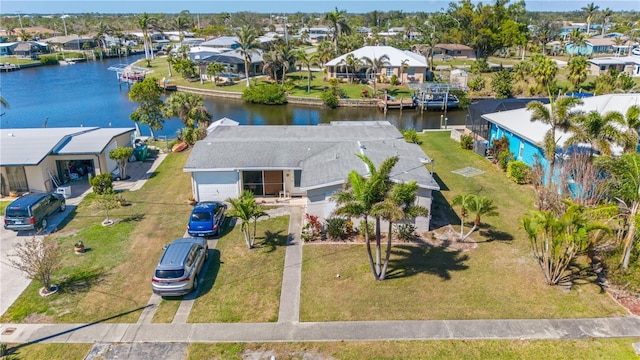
(207, 218)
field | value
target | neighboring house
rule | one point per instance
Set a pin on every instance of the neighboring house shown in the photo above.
(233, 61)
(526, 137)
(30, 48)
(592, 46)
(415, 70)
(317, 34)
(454, 50)
(224, 42)
(311, 162)
(627, 64)
(41, 159)
(7, 48)
(72, 42)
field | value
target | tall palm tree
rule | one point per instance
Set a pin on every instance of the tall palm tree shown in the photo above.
(606, 18)
(305, 59)
(601, 131)
(338, 22)
(189, 108)
(271, 64)
(247, 45)
(374, 65)
(404, 67)
(359, 196)
(399, 205)
(183, 22)
(544, 71)
(590, 10)
(577, 71)
(325, 52)
(577, 39)
(558, 116)
(147, 24)
(632, 122)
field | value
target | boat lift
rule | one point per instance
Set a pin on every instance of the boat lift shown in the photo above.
(434, 89)
(129, 74)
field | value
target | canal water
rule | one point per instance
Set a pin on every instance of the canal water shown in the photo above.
(87, 94)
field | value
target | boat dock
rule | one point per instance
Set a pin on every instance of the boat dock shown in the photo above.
(9, 67)
(401, 104)
(129, 74)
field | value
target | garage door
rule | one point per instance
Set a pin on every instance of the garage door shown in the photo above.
(216, 186)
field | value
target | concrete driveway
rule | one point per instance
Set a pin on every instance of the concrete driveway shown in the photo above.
(12, 281)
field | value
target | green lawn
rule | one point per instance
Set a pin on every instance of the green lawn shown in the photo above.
(17, 60)
(48, 351)
(243, 285)
(405, 350)
(111, 281)
(499, 279)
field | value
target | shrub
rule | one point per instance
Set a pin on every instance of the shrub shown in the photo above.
(49, 60)
(405, 232)
(312, 229)
(519, 172)
(480, 66)
(504, 158)
(498, 146)
(411, 136)
(368, 229)
(393, 80)
(101, 184)
(330, 99)
(267, 94)
(336, 227)
(477, 84)
(466, 142)
(502, 84)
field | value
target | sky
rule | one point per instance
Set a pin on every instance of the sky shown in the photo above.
(281, 6)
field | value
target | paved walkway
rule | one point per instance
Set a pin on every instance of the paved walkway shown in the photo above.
(292, 276)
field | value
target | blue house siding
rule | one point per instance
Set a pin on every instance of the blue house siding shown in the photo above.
(522, 149)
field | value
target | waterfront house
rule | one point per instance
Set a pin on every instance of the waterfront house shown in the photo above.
(72, 42)
(7, 48)
(30, 49)
(526, 137)
(310, 162)
(627, 64)
(592, 46)
(454, 50)
(42, 159)
(413, 66)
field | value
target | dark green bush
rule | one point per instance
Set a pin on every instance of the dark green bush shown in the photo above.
(480, 66)
(405, 232)
(336, 227)
(498, 146)
(519, 172)
(477, 84)
(466, 142)
(101, 184)
(330, 99)
(411, 136)
(49, 60)
(504, 158)
(267, 94)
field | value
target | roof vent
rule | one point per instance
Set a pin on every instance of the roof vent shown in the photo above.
(337, 156)
(11, 135)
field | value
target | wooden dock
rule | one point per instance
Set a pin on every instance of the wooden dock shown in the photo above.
(396, 104)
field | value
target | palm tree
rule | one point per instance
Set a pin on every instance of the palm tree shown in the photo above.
(464, 201)
(325, 52)
(598, 130)
(287, 59)
(558, 116)
(544, 70)
(359, 196)
(480, 206)
(213, 70)
(245, 209)
(632, 122)
(556, 240)
(338, 23)
(577, 71)
(577, 39)
(183, 22)
(590, 10)
(147, 23)
(399, 205)
(189, 108)
(170, 59)
(305, 59)
(374, 65)
(624, 185)
(606, 18)
(271, 64)
(247, 45)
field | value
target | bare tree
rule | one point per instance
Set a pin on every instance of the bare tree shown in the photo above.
(581, 180)
(38, 259)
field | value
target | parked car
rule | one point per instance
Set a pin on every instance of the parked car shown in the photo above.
(30, 211)
(207, 219)
(636, 51)
(177, 271)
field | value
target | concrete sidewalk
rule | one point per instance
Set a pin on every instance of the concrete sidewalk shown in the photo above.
(324, 331)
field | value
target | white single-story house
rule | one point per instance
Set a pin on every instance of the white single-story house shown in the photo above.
(413, 66)
(310, 162)
(627, 64)
(526, 137)
(42, 159)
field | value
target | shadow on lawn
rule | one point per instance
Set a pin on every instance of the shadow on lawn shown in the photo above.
(271, 240)
(410, 260)
(212, 272)
(442, 213)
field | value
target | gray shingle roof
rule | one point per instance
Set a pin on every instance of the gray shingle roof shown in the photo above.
(325, 154)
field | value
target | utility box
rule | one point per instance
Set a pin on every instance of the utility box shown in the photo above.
(65, 191)
(141, 153)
